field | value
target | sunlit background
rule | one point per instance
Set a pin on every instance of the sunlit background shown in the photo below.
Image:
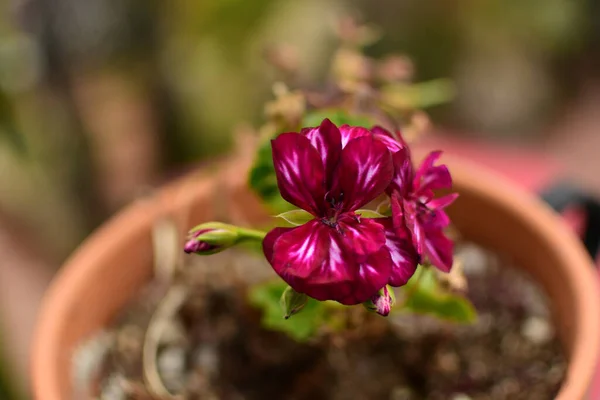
(102, 99)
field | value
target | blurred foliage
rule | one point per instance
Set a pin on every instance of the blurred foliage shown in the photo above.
(437, 33)
(424, 295)
(338, 117)
(421, 95)
(7, 386)
(505, 57)
(301, 326)
(8, 131)
(213, 58)
(554, 26)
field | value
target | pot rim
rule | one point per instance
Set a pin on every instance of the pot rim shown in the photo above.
(581, 271)
(468, 176)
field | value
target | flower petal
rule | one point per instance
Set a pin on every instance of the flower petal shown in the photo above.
(270, 239)
(397, 207)
(439, 249)
(393, 143)
(300, 172)
(328, 141)
(438, 218)
(437, 215)
(361, 235)
(373, 273)
(364, 172)
(442, 202)
(299, 251)
(382, 302)
(402, 251)
(313, 259)
(413, 224)
(429, 177)
(352, 132)
(403, 173)
(406, 222)
(368, 276)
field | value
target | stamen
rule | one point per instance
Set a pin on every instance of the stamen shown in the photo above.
(329, 222)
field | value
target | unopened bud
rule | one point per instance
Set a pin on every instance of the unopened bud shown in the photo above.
(211, 238)
(292, 302)
(382, 302)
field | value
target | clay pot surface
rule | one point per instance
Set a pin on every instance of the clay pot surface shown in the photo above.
(116, 261)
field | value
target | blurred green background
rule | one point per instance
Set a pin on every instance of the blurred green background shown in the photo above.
(100, 99)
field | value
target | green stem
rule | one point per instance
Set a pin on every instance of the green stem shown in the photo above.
(251, 234)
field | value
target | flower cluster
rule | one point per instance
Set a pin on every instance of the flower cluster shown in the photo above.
(340, 255)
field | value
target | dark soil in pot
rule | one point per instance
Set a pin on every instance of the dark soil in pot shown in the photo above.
(215, 347)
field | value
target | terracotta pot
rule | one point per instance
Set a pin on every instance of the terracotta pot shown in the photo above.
(115, 262)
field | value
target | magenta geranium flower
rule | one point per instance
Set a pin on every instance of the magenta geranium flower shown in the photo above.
(415, 207)
(338, 255)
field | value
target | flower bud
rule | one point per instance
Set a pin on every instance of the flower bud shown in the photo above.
(382, 302)
(211, 238)
(194, 245)
(292, 302)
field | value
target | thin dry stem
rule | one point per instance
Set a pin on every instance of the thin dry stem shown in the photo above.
(162, 317)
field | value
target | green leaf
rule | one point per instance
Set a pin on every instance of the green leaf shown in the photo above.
(369, 213)
(292, 302)
(296, 217)
(262, 177)
(419, 95)
(426, 296)
(14, 139)
(263, 181)
(385, 208)
(301, 326)
(338, 117)
(8, 126)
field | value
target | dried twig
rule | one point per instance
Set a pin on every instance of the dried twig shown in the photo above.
(165, 238)
(167, 258)
(162, 317)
